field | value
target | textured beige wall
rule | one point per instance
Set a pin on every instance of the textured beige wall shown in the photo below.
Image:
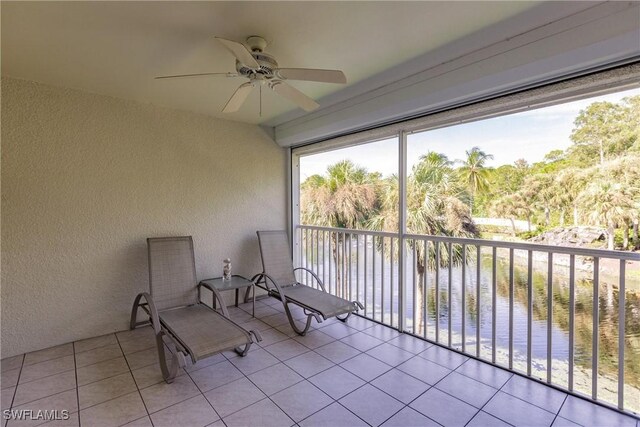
(87, 178)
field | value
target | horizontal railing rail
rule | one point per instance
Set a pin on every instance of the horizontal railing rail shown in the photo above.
(511, 304)
(567, 250)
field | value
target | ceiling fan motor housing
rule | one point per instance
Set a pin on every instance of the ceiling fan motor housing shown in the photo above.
(267, 66)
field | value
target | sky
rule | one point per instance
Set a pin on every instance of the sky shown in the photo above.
(527, 135)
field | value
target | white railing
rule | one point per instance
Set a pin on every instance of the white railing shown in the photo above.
(510, 304)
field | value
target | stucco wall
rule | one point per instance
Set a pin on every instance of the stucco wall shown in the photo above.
(87, 178)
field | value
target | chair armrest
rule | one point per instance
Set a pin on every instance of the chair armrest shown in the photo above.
(260, 276)
(151, 310)
(216, 295)
(314, 275)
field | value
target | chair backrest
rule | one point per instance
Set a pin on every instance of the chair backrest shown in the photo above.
(172, 272)
(276, 256)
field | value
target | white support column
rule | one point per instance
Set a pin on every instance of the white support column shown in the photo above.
(402, 227)
(294, 191)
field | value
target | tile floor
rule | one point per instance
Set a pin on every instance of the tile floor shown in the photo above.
(356, 374)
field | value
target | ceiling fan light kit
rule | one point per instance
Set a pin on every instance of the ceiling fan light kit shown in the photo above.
(262, 70)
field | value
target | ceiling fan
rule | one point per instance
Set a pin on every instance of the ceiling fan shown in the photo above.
(262, 70)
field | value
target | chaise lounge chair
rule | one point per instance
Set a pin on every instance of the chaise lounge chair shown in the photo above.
(176, 313)
(278, 279)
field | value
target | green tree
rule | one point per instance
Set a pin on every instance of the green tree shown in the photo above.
(609, 204)
(539, 190)
(473, 172)
(434, 207)
(510, 206)
(345, 197)
(601, 131)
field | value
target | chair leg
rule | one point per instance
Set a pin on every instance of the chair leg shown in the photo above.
(344, 319)
(243, 351)
(169, 370)
(301, 332)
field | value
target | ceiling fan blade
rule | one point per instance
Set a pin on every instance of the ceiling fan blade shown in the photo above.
(294, 95)
(312, 75)
(237, 99)
(197, 75)
(240, 52)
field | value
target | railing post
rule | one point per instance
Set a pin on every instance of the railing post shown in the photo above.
(621, 332)
(402, 227)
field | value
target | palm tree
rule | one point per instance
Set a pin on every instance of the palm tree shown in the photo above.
(433, 208)
(609, 204)
(538, 188)
(473, 172)
(344, 197)
(509, 206)
(568, 184)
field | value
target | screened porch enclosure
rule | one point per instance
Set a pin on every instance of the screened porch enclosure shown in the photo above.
(394, 221)
(509, 313)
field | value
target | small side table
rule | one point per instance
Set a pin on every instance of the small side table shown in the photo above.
(237, 282)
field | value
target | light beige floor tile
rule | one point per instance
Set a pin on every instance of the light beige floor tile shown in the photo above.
(372, 405)
(7, 397)
(337, 352)
(215, 375)
(97, 355)
(211, 360)
(103, 390)
(150, 375)
(271, 336)
(142, 358)
(309, 364)
(443, 408)
(264, 413)
(194, 412)
(46, 368)
(134, 334)
(254, 361)
(335, 415)
(114, 412)
(255, 324)
(11, 363)
(140, 422)
(44, 387)
(314, 339)
(48, 353)
(10, 378)
(400, 385)
(141, 343)
(161, 395)
(517, 412)
(275, 378)
(301, 400)
(95, 342)
(411, 344)
(336, 382)
(102, 370)
(65, 401)
(72, 421)
(288, 349)
(234, 396)
(411, 417)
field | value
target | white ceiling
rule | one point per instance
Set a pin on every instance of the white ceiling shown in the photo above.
(116, 48)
